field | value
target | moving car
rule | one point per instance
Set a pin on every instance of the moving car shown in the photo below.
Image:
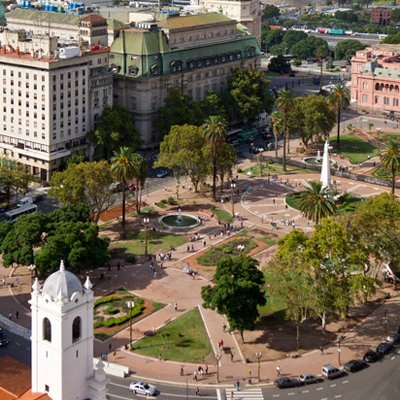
(331, 372)
(3, 339)
(384, 347)
(355, 365)
(306, 379)
(394, 339)
(161, 173)
(372, 356)
(142, 388)
(286, 382)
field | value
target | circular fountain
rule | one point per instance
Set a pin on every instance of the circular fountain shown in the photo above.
(179, 221)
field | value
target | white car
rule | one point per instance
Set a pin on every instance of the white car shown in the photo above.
(309, 378)
(142, 388)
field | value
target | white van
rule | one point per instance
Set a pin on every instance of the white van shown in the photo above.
(331, 372)
(25, 200)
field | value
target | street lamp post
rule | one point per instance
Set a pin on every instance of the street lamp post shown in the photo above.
(146, 221)
(32, 268)
(130, 304)
(258, 355)
(218, 356)
(339, 349)
(233, 186)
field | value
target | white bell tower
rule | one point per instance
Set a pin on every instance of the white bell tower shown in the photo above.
(62, 337)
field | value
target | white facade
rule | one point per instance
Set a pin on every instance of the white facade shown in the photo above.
(62, 339)
(48, 104)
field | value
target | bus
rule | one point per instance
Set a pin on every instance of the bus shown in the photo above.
(247, 136)
(11, 216)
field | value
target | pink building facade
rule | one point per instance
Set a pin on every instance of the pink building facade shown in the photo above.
(375, 78)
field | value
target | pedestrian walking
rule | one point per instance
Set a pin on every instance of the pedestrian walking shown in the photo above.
(278, 370)
(195, 375)
(197, 391)
(188, 249)
(238, 385)
(231, 356)
(322, 349)
(109, 348)
(231, 394)
(10, 316)
(224, 327)
(182, 371)
(200, 369)
(206, 370)
(176, 306)
(16, 314)
(204, 243)
(192, 249)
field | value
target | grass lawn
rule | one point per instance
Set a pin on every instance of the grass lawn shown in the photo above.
(388, 137)
(222, 215)
(211, 256)
(160, 204)
(272, 313)
(184, 339)
(355, 149)
(272, 74)
(268, 241)
(382, 173)
(346, 205)
(275, 169)
(157, 242)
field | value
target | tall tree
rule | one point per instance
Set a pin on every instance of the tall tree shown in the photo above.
(85, 182)
(237, 293)
(321, 53)
(115, 129)
(316, 202)
(226, 159)
(346, 49)
(284, 103)
(183, 150)
(123, 168)
(215, 127)
(391, 160)
(340, 99)
(277, 128)
(248, 94)
(139, 174)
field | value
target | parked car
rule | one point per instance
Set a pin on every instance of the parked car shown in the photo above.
(394, 339)
(3, 207)
(372, 356)
(355, 365)
(143, 388)
(161, 173)
(286, 382)
(331, 372)
(132, 187)
(3, 338)
(306, 379)
(384, 347)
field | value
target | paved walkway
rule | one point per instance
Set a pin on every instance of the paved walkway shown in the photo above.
(259, 203)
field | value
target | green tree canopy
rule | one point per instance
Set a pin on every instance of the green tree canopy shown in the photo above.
(307, 48)
(347, 48)
(339, 98)
(115, 129)
(248, 94)
(392, 39)
(292, 37)
(237, 293)
(183, 149)
(270, 11)
(279, 64)
(85, 182)
(395, 15)
(274, 37)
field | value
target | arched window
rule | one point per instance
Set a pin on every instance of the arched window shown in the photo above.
(396, 88)
(365, 85)
(76, 329)
(377, 86)
(46, 329)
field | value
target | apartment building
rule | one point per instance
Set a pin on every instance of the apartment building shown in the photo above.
(381, 15)
(195, 53)
(375, 78)
(51, 97)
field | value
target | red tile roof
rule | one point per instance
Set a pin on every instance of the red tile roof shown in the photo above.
(15, 378)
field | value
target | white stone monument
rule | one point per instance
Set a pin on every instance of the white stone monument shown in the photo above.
(326, 168)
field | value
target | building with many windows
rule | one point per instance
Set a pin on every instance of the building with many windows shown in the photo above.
(381, 15)
(375, 78)
(51, 96)
(195, 53)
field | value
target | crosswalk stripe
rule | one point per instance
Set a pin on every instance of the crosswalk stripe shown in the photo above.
(249, 394)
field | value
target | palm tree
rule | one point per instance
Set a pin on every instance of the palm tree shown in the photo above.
(316, 202)
(277, 128)
(123, 168)
(391, 160)
(140, 175)
(215, 129)
(340, 99)
(285, 103)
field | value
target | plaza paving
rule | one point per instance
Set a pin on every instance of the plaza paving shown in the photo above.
(259, 203)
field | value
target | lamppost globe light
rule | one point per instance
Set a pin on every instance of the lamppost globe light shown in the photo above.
(130, 304)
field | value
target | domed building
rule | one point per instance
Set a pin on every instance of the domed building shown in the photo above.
(62, 339)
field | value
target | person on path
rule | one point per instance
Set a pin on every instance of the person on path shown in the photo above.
(322, 349)
(195, 375)
(278, 370)
(206, 369)
(176, 306)
(238, 385)
(10, 316)
(182, 371)
(200, 369)
(231, 394)
(16, 314)
(197, 391)
(109, 348)
(231, 356)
